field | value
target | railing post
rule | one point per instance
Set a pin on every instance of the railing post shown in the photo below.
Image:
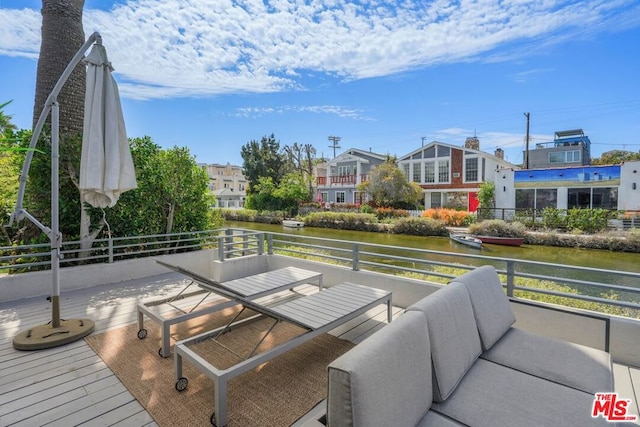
(510, 278)
(356, 254)
(110, 250)
(270, 244)
(260, 243)
(221, 248)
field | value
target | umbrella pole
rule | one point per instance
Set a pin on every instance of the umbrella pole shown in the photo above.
(55, 237)
(59, 331)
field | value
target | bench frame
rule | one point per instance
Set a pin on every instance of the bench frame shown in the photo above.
(147, 307)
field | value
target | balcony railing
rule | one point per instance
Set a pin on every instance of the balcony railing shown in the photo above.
(341, 179)
(585, 284)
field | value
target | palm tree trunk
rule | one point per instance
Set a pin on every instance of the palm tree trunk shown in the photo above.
(62, 37)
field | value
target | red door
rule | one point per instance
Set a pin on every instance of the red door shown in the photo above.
(473, 202)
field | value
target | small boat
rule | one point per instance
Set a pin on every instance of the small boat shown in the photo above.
(465, 239)
(292, 223)
(509, 241)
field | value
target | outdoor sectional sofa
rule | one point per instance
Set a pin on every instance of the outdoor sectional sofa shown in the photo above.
(454, 359)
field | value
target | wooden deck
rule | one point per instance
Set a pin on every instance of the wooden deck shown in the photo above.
(70, 385)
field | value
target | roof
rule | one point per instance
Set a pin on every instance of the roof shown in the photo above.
(457, 147)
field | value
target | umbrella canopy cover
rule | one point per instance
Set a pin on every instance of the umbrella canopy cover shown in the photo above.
(106, 166)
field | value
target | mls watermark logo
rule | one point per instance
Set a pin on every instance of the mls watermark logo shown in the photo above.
(611, 408)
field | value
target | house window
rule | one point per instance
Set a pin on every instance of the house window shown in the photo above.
(565, 157)
(359, 197)
(471, 170)
(579, 198)
(416, 172)
(525, 199)
(573, 156)
(546, 198)
(405, 169)
(443, 170)
(605, 198)
(324, 197)
(340, 197)
(344, 170)
(430, 172)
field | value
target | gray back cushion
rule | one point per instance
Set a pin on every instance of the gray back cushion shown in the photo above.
(385, 380)
(453, 333)
(491, 306)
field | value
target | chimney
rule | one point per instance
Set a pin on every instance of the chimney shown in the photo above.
(499, 153)
(472, 142)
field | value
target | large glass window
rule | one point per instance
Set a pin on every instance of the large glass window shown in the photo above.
(557, 157)
(340, 197)
(344, 170)
(430, 172)
(605, 198)
(443, 170)
(443, 151)
(525, 199)
(416, 172)
(471, 170)
(546, 198)
(579, 198)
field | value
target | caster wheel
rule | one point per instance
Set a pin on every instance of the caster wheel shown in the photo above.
(213, 419)
(160, 353)
(181, 384)
(142, 334)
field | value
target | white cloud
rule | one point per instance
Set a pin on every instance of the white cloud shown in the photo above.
(173, 48)
(337, 110)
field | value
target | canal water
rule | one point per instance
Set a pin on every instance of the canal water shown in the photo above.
(621, 261)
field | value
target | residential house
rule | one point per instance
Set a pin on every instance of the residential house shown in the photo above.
(227, 183)
(450, 175)
(337, 179)
(568, 148)
(590, 187)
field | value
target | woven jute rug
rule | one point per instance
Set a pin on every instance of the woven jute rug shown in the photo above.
(276, 393)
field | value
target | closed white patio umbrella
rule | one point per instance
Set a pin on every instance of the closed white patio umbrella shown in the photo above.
(106, 171)
(106, 167)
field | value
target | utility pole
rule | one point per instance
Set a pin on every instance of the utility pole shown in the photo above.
(334, 145)
(526, 151)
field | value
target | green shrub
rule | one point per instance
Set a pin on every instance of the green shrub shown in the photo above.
(342, 220)
(587, 220)
(553, 218)
(498, 228)
(419, 227)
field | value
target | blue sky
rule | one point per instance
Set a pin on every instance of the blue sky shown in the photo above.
(382, 75)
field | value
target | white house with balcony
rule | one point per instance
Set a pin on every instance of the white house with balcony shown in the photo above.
(337, 180)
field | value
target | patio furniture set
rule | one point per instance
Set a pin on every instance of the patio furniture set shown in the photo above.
(458, 361)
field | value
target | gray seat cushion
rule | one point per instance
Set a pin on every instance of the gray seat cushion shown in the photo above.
(573, 365)
(491, 307)
(491, 395)
(385, 380)
(435, 419)
(453, 333)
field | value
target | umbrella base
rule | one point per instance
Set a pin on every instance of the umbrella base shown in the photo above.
(46, 336)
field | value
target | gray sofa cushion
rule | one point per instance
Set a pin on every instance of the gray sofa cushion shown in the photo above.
(491, 306)
(385, 380)
(573, 365)
(453, 333)
(492, 395)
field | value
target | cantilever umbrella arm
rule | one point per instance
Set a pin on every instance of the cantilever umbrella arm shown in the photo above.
(72, 330)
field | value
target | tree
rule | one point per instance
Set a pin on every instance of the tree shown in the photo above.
(292, 191)
(62, 36)
(388, 186)
(615, 157)
(487, 194)
(302, 160)
(262, 159)
(172, 194)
